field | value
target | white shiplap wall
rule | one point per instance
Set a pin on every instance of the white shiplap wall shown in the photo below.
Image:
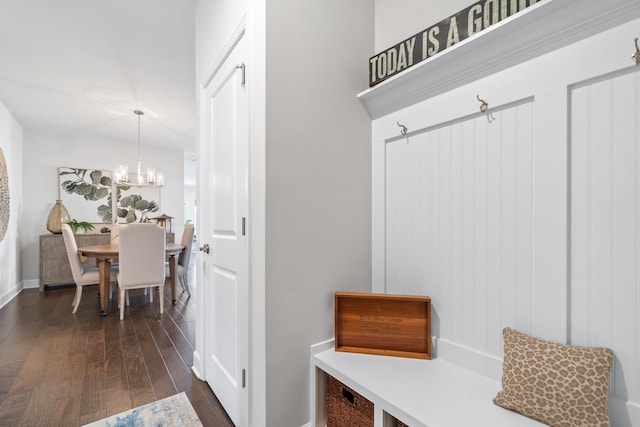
(605, 222)
(537, 229)
(459, 223)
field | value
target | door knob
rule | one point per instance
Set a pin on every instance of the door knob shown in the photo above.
(205, 248)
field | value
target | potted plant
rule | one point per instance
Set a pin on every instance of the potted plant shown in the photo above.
(80, 226)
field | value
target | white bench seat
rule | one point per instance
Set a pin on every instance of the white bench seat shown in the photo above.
(420, 393)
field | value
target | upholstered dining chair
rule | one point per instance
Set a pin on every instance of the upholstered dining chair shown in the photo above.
(142, 254)
(82, 276)
(182, 266)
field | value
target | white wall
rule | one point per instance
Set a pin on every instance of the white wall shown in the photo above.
(318, 184)
(397, 20)
(215, 22)
(459, 223)
(10, 256)
(45, 152)
(190, 211)
(527, 254)
(605, 227)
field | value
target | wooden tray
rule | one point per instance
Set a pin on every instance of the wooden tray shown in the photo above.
(386, 324)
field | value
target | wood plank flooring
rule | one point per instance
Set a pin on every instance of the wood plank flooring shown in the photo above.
(64, 369)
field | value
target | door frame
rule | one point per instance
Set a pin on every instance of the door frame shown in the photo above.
(252, 26)
(201, 344)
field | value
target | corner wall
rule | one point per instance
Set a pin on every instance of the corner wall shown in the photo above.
(10, 258)
(318, 184)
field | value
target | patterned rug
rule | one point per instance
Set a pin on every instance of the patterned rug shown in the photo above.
(174, 410)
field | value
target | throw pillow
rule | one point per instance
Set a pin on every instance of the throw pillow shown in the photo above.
(560, 385)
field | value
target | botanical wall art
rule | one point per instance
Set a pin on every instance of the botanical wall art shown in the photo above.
(137, 204)
(4, 197)
(86, 193)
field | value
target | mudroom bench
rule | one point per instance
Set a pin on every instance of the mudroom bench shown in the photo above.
(413, 392)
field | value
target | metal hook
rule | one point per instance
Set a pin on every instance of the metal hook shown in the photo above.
(484, 105)
(636, 56)
(404, 129)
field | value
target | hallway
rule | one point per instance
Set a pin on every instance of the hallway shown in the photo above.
(60, 369)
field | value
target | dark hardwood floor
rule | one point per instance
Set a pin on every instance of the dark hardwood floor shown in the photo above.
(64, 369)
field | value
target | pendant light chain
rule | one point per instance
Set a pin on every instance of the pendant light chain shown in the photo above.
(139, 113)
(140, 178)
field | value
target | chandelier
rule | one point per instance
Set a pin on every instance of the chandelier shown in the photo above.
(142, 178)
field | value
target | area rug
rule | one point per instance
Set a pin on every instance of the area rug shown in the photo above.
(174, 410)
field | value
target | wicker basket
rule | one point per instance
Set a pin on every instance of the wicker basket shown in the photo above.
(401, 424)
(345, 407)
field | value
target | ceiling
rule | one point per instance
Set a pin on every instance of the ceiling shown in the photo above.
(83, 66)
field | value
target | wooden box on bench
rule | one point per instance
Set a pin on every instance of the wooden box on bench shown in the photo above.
(386, 324)
(345, 407)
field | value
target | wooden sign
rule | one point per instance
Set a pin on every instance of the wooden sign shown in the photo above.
(386, 324)
(441, 36)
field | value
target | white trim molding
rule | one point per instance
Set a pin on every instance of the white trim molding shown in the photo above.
(539, 29)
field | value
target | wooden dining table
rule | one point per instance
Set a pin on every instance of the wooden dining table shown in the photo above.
(104, 254)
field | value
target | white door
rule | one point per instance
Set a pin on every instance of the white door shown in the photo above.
(224, 207)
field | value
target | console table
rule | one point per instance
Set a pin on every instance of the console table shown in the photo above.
(54, 264)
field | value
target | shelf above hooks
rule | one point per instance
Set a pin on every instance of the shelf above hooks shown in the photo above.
(541, 28)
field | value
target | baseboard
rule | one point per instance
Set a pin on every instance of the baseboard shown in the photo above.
(322, 346)
(623, 413)
(11, 294)
(197, 366)
(31, 284)
(307, 425)
(470, 358)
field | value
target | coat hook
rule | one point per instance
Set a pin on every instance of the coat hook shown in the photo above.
(484, 105)
(404, 129)
(636, 56)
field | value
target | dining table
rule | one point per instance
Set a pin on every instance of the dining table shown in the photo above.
(104, 254)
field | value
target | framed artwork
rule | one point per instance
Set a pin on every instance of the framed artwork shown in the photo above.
(86, 193)
(137, 204)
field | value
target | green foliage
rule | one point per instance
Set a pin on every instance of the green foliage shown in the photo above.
(131, 207)
(92, 186)
(134, 208)
(104, 211)
(80, 225)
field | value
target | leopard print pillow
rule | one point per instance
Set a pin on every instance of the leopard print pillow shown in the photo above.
(560, 385)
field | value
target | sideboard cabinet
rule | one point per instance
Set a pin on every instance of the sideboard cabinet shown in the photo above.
(54, 264)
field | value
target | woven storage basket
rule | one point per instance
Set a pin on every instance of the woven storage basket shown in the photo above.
(345, 407)
(401, 424)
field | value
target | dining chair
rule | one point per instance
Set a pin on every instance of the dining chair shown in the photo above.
(82, 276)
(182, 266)
(141, 254)
(114, 233)
(115, 239)
(115, 230)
